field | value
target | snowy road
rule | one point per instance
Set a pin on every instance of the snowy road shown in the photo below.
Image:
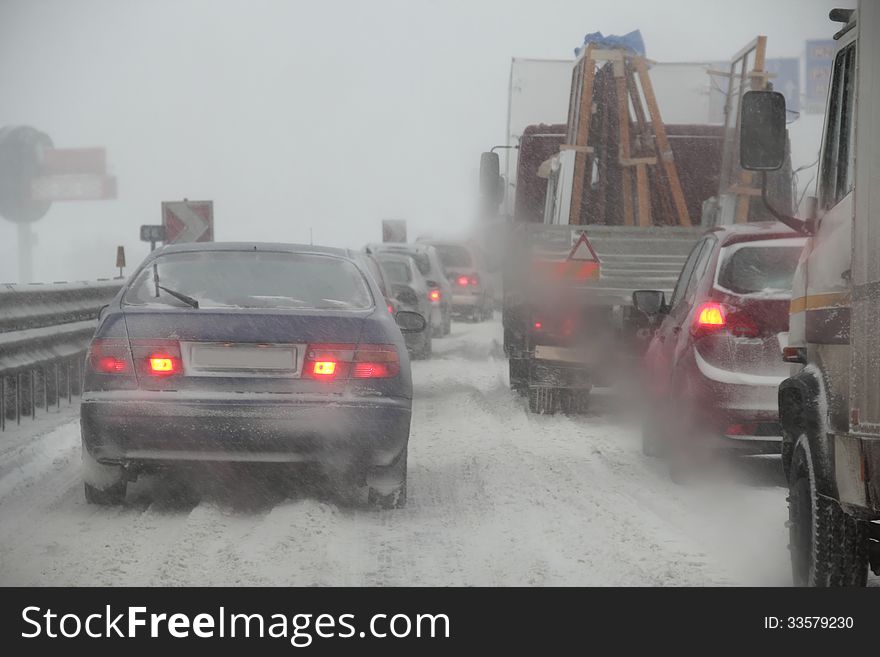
(497, 497)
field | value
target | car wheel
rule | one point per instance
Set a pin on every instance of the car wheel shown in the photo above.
(543, 400)
(828, 547)
(112, 496)
(381, 495)
(394, 500)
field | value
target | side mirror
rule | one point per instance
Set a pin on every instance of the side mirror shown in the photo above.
(650, 302)
(410, 322)
(491, 182)
(102, 309)
(762, 131)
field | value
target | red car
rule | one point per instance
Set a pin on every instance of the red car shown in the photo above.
(715, 359)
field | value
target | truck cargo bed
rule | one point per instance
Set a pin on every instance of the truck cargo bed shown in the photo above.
(632, 257)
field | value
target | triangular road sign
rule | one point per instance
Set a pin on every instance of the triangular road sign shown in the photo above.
(583, 250)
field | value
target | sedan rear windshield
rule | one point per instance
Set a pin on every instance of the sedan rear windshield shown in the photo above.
(396, 271)
(755, 268)
(250, 279)
(421, 259)
(452, 255)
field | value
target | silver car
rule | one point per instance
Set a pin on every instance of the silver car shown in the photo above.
(472, 295)
(430, 266)
(408, 286)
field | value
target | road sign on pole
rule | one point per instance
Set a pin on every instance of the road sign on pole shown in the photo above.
(153, 233)
(394, 230)
(188, 221)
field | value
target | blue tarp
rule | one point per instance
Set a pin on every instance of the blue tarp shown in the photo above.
(632, 42)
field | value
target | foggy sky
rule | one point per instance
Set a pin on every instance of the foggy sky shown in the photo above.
(292, 115)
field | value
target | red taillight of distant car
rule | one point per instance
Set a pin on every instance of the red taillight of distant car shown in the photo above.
(335, 362)
(434, 295)
(538, 325)
(390, 309)
(463, 281)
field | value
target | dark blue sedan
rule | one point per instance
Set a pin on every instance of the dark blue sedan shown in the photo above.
(248, 353)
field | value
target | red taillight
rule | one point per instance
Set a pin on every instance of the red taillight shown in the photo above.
(157, 358)
(463, 281)
(163, 364)
(390, 309)
(538, 325)
(110, 356)
(434, 295)
(324, 368)
(710, 315)
(335, 362)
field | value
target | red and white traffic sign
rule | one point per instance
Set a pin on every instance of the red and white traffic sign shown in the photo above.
(188, 221)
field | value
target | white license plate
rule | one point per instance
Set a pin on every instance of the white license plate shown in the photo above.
(222, 357)
(562, 354)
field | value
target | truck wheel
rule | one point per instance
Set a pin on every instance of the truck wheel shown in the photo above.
(828, 547)
(575, 402)
(112, 496)
(543, 400)
(519, 374)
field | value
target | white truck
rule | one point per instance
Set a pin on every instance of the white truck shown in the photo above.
(830, 405)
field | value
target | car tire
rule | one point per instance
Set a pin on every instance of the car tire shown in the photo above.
(828, 547)
(543, 400)
(393, 500)
(395, 497)
(111, 496)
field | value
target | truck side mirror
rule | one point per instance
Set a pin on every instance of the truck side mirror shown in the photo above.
(762, 131)
(491, 182)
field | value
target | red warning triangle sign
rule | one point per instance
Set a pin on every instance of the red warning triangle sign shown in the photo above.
(583, 250)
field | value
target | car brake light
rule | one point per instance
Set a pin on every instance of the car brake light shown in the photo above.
(463, 281)
(163, 364)
(110, 356)
(539, 325)
(324, 368)
(434, 295)
(713, 317)
(157, 358)
(338, 362)
(390, 309)
(711, 314)
(473, 280)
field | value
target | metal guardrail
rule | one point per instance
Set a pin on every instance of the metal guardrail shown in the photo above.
(44, 332)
